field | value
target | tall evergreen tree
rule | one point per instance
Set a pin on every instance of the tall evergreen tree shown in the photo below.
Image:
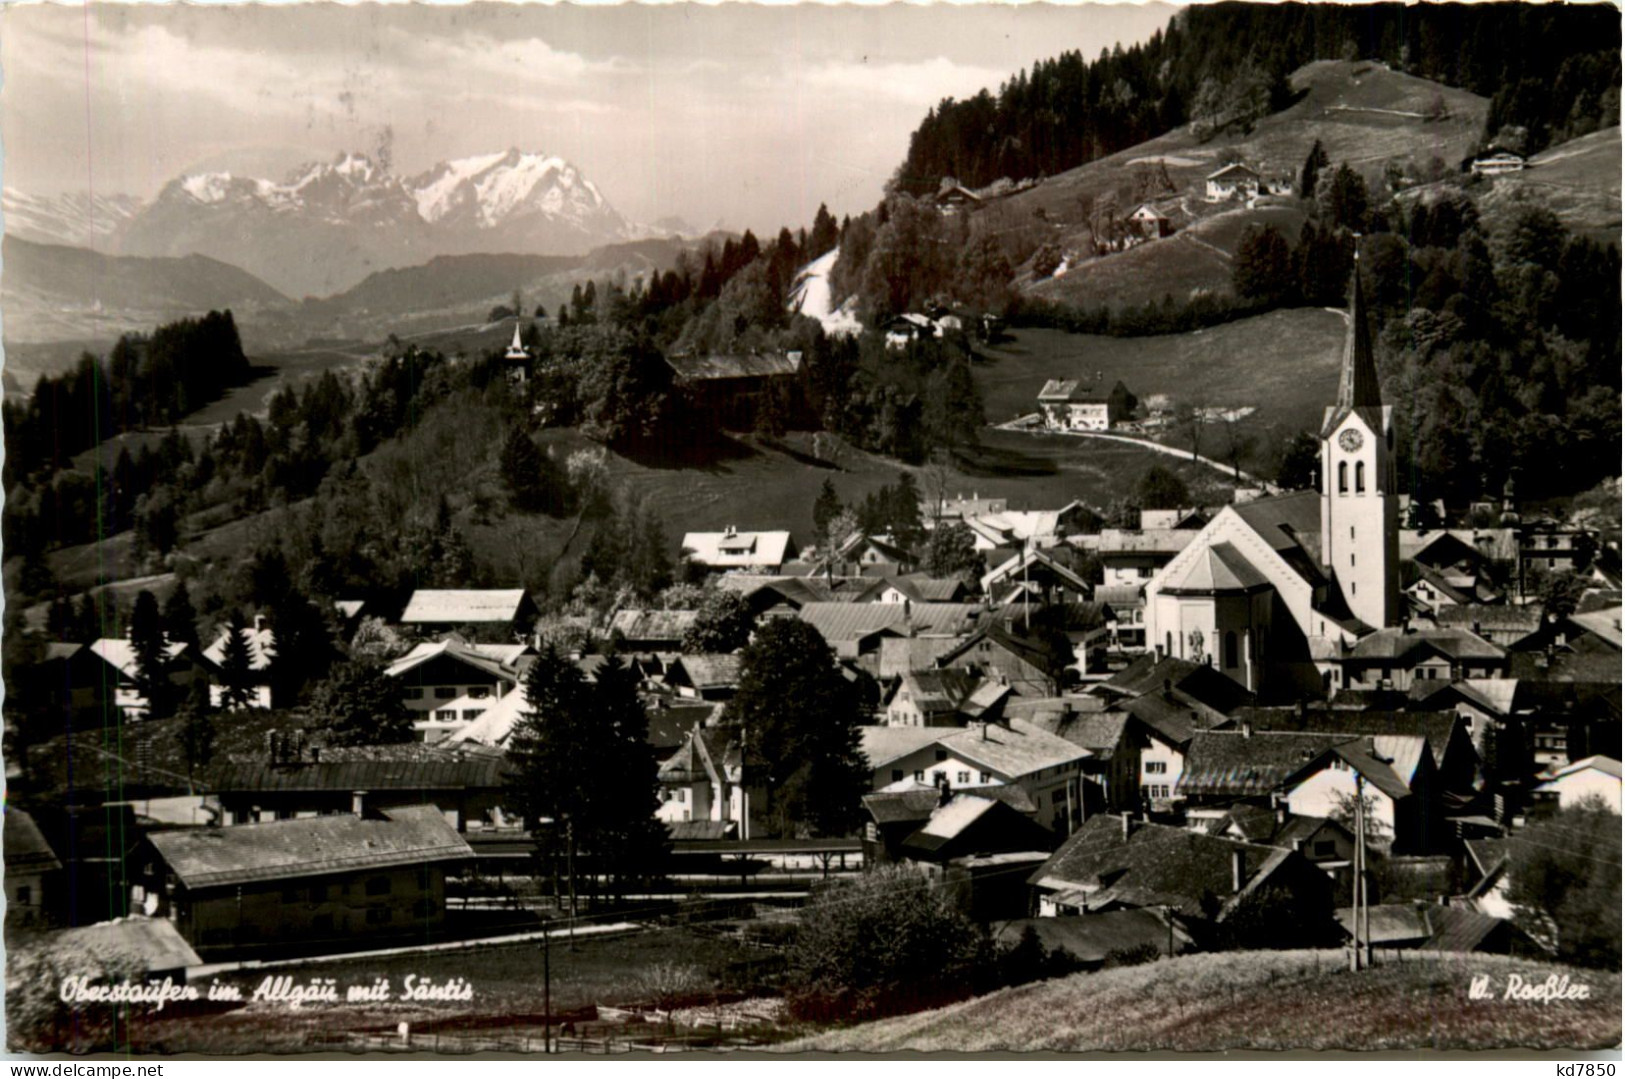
(631, 843)
(236, 664)
(151, 654)
(180, 617)
(1310, 176)
(826, 507)
(552, 783)
(799, 718)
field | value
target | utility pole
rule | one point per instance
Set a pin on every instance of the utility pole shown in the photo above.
(547, 991)
(1365, 898)
(570, 846)
(1357, 885)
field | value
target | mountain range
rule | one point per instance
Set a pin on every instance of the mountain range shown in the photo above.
(328, 225)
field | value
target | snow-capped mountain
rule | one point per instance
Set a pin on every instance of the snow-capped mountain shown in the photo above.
(75, 219)
(328, 225)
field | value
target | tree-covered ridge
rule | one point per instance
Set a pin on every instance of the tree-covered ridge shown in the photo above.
(1552, 73)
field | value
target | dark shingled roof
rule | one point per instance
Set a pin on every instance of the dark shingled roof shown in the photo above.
(1290, 524)
(26, 850)
(1201, 682)
(1437, 727)
(891, 807)
(154, 942)
(445, 772)
(317, 846)
(1158, 864)
(1235, 764)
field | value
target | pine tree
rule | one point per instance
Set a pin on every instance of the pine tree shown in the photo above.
(800, 717)
(151, 655)
(825, 234)
(236, 664)
(1309, 178)
(362, 706)
(826, 507)
(180, 618)
(631, 842)
(550, 785)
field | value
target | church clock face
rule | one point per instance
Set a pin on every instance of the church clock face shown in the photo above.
(1350, 440)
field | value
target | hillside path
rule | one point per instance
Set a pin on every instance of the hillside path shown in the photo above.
(1024, 424)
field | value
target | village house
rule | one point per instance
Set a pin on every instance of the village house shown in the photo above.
(1126, 630)
(1190, 519)
(1594, 777)
(732, 549)
(1033, 574)
(327, 883)
(1503, 625)
(1112, 737)
(1072, 405)
(1395, 772)
(1150, 223)
(997, 652)
(943, 698)
(1327, 843)
(261, 640)
(499, 613)
(32, 871)
(466, 787)
(954, 198)
(967, 824)
(704, 781)
(1233, 181)
(731, 390)
(1118, 863)
(1436, 927)
(707, 676)
(1132, 557)
(1016, 753)
(121, 670)
(918, 588)
(901, 809)
(434, 675)
(856, 629)
(959, 508)
(859, 554)
(1448, 734)
(1222, 768)
(1399, 657)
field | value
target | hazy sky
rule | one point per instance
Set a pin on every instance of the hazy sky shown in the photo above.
(749, 116)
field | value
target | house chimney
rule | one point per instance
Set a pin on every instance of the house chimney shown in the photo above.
(1238, 869)
(357, 802)
(1128, 825)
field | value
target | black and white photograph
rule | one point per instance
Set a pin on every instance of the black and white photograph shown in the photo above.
(623, 530)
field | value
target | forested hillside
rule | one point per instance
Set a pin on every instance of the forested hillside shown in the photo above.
(1551, 72)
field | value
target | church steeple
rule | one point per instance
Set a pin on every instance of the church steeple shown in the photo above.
(1358, 387)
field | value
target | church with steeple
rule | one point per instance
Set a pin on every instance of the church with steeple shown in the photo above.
(1275, 592)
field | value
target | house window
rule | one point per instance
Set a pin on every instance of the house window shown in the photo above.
(378, 886)
(413, 693)
(473, 713)
(445, 693)
(1156, 768)
(896, 775)
(938, 775)
(1359, 478)
(378, 915)
(962, 778)
(919, 776)
(444, 714)
(942, 754)
(682, 794)
(986, 777)
(1325, 848)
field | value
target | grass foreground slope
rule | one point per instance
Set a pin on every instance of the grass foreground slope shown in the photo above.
(1302, 1000)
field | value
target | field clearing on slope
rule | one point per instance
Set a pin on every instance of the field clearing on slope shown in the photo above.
(1299, 1000)
(1284, 363)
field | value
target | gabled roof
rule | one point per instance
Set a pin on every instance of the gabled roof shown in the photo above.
(1013, 749)
(1244, 766)
(1073, 391)
(919, 800)
(710, 670)
(948, 821)
(1603, 624)
(734, 548)
(1157, 864)
(1498, 616)
(1011, 570)
(882, 745)
(1125, 541)
(154, 942)
(700, 367)
(120, 654)
(26, 850)
(1234, 171)
(1608, 766)
(1405, 646)
(1198, 681)
(281, 850)
(484, 658)
(850, 623)
(646, 625)
(1437, 727)
(457, 606)
(407, 772)
(920, 588)
(900, 655)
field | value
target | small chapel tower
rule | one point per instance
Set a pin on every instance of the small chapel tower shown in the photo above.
(1359, 502)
